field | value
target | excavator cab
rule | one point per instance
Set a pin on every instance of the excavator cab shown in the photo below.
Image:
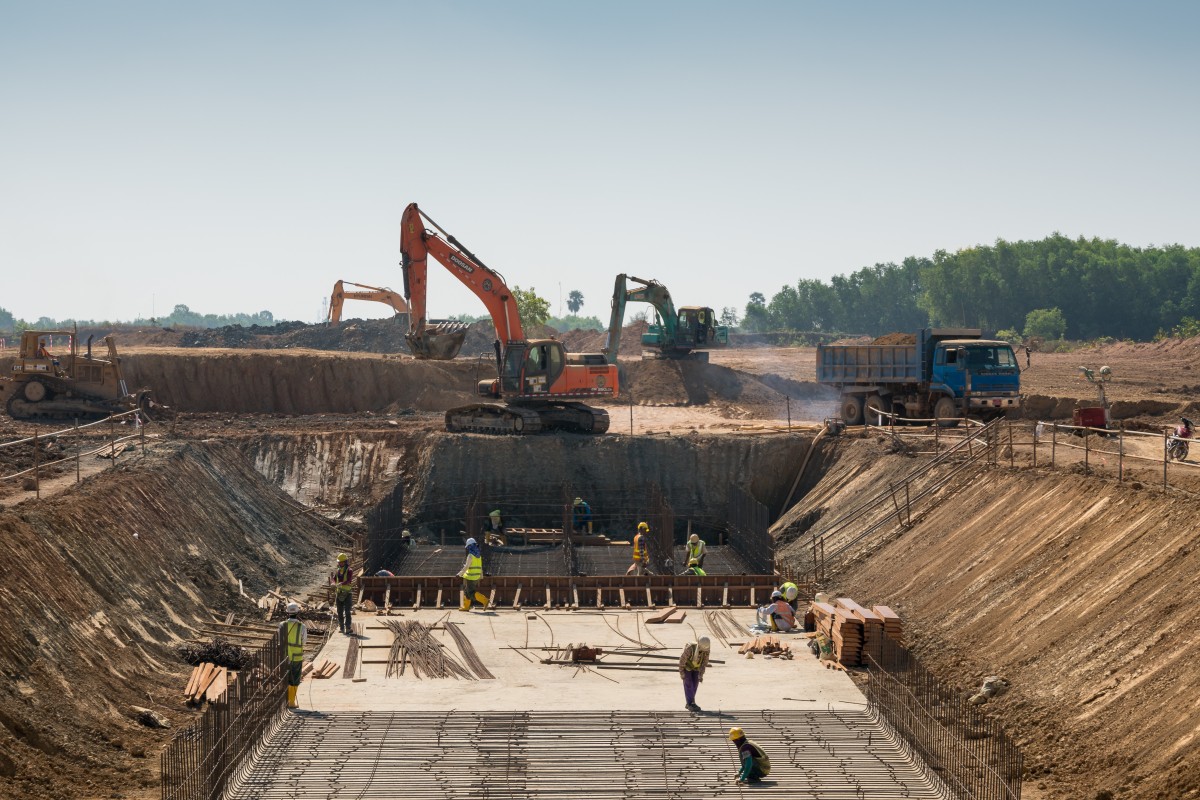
(528, 368)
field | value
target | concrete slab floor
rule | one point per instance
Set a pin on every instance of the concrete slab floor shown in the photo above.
(520, 685)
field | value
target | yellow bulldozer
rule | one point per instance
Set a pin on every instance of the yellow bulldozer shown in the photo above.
(57, 381)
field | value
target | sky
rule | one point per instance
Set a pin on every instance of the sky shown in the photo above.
(239, 157)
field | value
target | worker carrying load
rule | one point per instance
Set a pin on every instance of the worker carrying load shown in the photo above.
(581, 516)
(696, 550)
(641, 553)
(343, 579)
(471, 574)
(692, 663)
(777, 615)
(754, 761)
(294, 634)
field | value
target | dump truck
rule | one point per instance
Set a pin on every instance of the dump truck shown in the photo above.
(943, 374)
(52, 379)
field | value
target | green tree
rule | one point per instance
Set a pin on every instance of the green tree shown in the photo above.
(6, 321)
(729, 316)
(575, 301)
(1048, 323)
(757, 318)
(534, 310)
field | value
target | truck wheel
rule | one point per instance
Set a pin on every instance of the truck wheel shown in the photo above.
(852, 409)
(946, 412)
(876, 405)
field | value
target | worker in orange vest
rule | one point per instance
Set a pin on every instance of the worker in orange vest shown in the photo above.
(641, 554)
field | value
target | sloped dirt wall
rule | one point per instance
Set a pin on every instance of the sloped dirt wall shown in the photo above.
(92, 613)
(1081, 592)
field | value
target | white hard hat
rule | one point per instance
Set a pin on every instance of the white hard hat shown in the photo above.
(469, 542)
(790, 593)
(694, 537)
(293, 607)
(703, 643)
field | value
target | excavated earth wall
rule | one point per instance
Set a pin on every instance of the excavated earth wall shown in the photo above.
(1079, 591)
(92, 613)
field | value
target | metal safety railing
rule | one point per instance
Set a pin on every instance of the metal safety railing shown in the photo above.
(200, 761)
(970, 752)
(38, 441)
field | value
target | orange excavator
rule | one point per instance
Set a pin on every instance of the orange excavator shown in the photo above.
(375, 293)
(543, 385)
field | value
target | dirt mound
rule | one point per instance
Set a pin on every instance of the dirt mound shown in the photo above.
(686, 382)
(896, 338)
(94, 614)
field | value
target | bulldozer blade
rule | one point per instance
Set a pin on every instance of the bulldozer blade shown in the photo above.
(440, 342)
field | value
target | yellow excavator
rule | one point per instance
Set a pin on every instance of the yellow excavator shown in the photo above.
(374, 293)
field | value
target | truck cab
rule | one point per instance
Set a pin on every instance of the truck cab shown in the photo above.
(981, 374)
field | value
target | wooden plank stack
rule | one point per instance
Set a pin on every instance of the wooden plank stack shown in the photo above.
(326, 669)
(672, 614)
(891, 623)
(843, 629)
(872, 627)
(768, 645)
(207, 682)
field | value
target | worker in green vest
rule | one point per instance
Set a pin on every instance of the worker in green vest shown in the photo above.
(471, 573)
(294, 634)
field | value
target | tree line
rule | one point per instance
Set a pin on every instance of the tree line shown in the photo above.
(181, 316)
(1086, 288)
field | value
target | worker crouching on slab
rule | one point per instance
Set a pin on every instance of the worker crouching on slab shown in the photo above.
(755, 764)
(696, 551)
(343, 579)
(692, 663)
(471, 573)
(294, 634)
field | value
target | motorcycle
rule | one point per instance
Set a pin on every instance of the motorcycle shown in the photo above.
(1177, 445)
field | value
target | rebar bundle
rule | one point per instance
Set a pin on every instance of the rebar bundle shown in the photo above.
(469, 654)
(413, 644)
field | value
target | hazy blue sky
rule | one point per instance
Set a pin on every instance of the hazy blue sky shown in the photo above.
(243, 156)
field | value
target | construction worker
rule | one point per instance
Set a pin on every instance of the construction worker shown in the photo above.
(755, 764)
(777, 615)
(692, 663)
(696, 550)
(694, 568)
(641, 554)
(294, 634)
(343, 579)
(581, 516)
(471, 573)
(791, 593)
(494, 529)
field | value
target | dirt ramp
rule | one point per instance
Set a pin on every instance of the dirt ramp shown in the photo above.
(100, 583)
(668, 382)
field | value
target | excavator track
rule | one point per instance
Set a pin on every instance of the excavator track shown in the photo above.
(518, 420)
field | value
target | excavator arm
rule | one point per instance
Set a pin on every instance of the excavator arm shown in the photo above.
(650, 291)
(375, 293)
(416, 245)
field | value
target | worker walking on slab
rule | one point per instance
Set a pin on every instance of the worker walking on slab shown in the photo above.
(581, 516)
(343, 579)
(471, 573)
(692, 663)
(696, 550)
(641, 553)
(754, 761)
(294, 634)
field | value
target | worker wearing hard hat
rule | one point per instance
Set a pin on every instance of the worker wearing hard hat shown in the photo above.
(343, 579)
(777, 615)
(754, 761)
(471, 573)
(692, 663)
(581, 516)
(696, 550)
(641, 554)
(791, 593)
(294, 634)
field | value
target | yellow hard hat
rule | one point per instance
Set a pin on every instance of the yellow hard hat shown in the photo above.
(643, 527)
(735, 734)
(578, 501)
(692, 562)
(343, 557)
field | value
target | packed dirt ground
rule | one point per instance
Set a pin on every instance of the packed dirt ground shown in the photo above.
(1069, 618)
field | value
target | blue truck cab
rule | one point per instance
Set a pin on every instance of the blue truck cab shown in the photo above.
(943, 374)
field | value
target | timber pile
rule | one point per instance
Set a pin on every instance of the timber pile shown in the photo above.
(672, 614)
(891, 623)
(326, 669)
(872, 625)
(844, 630)
(768, 646)
(207, 682)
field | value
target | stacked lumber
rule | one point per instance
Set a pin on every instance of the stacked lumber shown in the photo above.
(326, 669)
(672, 614)
(843, 629)
(891, 623)
(768, 645)
(872, 627)
(207, 682)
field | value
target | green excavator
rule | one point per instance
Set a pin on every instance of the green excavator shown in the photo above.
(686, 333)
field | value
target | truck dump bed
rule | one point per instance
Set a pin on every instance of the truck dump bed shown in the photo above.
(868, 363)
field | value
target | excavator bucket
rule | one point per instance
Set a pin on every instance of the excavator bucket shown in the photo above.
(440, 341)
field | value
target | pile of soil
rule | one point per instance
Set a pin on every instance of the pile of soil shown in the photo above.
(896, 338)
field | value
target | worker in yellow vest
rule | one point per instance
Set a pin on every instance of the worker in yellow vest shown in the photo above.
(343, 580)
(471, 574)
(696, 551)
(791, 593)
(692, 663)
(641, 554)
(294, 634)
